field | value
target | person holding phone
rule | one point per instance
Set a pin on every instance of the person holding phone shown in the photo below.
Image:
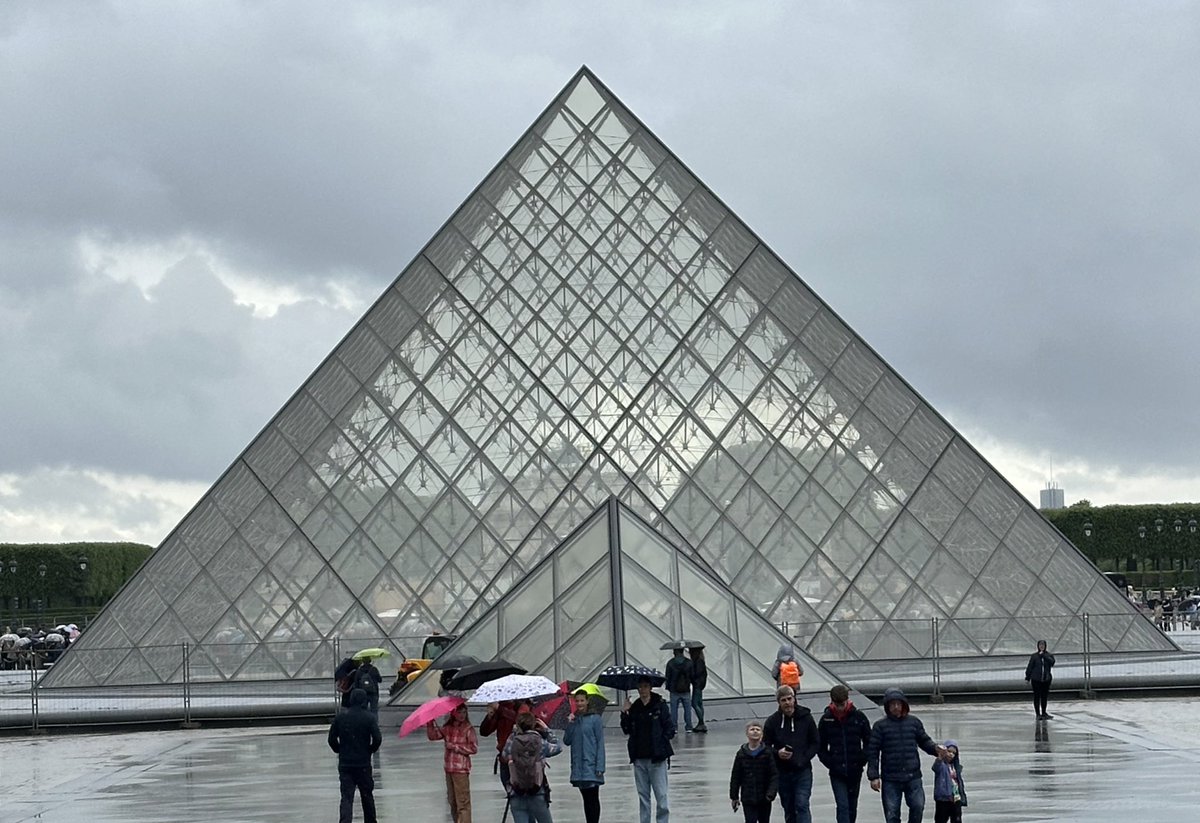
(791, 733)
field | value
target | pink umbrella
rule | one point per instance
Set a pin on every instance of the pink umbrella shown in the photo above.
(432, 710)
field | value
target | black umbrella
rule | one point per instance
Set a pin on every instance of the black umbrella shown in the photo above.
(682, 644)
(454, 662)
(476, 674)
(627, 677)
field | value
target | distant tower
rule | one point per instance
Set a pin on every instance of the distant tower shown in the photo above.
(1053, 497)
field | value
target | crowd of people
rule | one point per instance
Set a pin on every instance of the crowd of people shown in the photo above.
(30, 648)
(775, 764)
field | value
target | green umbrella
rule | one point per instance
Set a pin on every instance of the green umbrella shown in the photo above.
(371, 654)
(589, 689)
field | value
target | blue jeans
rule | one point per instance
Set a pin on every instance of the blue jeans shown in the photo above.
(845, 795)
(795, 789)
(529, 808)
(648, 776)
(684, 699)
(914, 795)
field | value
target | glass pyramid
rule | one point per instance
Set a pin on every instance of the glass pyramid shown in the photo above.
(613, 593)
(593, 322)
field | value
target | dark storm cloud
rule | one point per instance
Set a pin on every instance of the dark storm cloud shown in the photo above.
(999, 197)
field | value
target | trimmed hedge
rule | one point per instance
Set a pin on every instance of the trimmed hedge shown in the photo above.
(66, 586)
(1160, 558)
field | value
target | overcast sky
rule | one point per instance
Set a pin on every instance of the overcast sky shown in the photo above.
(198, 200)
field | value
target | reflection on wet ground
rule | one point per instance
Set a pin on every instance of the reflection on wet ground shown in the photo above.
(1094, 760)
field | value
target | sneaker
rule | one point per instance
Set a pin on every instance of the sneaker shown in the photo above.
(689, 728)
(701, 730)
(1047, 716)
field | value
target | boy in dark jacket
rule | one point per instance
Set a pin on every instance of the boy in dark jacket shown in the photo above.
(354, 735)
(754, 781)
(792, 735)
(844, 732)
(648, 725)
(893, 762)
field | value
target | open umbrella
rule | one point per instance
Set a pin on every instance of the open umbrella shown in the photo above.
(430, 710)
(454, 662)
(514, 687)
(627, 677)
(370, 654)
(681, 644)
(475, 675)
(556, 711)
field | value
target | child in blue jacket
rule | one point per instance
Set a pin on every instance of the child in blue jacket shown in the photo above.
(949, 790)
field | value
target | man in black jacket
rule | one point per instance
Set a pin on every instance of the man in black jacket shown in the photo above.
(893, 762)
(354, 735)
(1038, 675)
(844, 732)
(648, 724)
(792, 735)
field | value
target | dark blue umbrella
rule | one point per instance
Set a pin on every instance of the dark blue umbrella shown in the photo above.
(627, 677)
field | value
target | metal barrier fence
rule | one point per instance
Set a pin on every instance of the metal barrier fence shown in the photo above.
(177, 683)
(988, 655)
(186, 684)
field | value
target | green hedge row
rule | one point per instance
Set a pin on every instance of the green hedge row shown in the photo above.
(1116, 542)
(65, 585)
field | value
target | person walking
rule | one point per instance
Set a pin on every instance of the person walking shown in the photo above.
(461, 742)
(843, 732)
(949, 789)
(787, 670)
(699, 682)
(1038, 675)
(679, 674)
(647, 723)
(354, 735)
(525, 752)
(501, 719)
(792, 735)
(893, 762)
(754, 780)
(585, 737)
(368, 678)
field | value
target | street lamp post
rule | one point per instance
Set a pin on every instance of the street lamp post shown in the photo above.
(12, 574)
(42, 594)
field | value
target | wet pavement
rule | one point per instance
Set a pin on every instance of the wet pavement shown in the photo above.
(1095, 760)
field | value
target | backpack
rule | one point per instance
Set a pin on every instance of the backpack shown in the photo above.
(526, 770)
(363, 680)
(789, 674)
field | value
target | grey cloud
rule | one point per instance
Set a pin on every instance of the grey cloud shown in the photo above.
(999, 197)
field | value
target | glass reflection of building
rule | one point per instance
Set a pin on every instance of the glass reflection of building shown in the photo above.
(594, 323)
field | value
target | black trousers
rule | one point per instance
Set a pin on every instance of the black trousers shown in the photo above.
(351, 778)
(757, 812)
(1041, 693)
(591, 803)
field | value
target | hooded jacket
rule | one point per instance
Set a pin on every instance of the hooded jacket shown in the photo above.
(843, 741)
(755, 776)
(785, 653)
(585, 736)
(798, 732)
(942, 789)
(354, 733)
(1038, 669)
(650, 729)
(892, 750)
